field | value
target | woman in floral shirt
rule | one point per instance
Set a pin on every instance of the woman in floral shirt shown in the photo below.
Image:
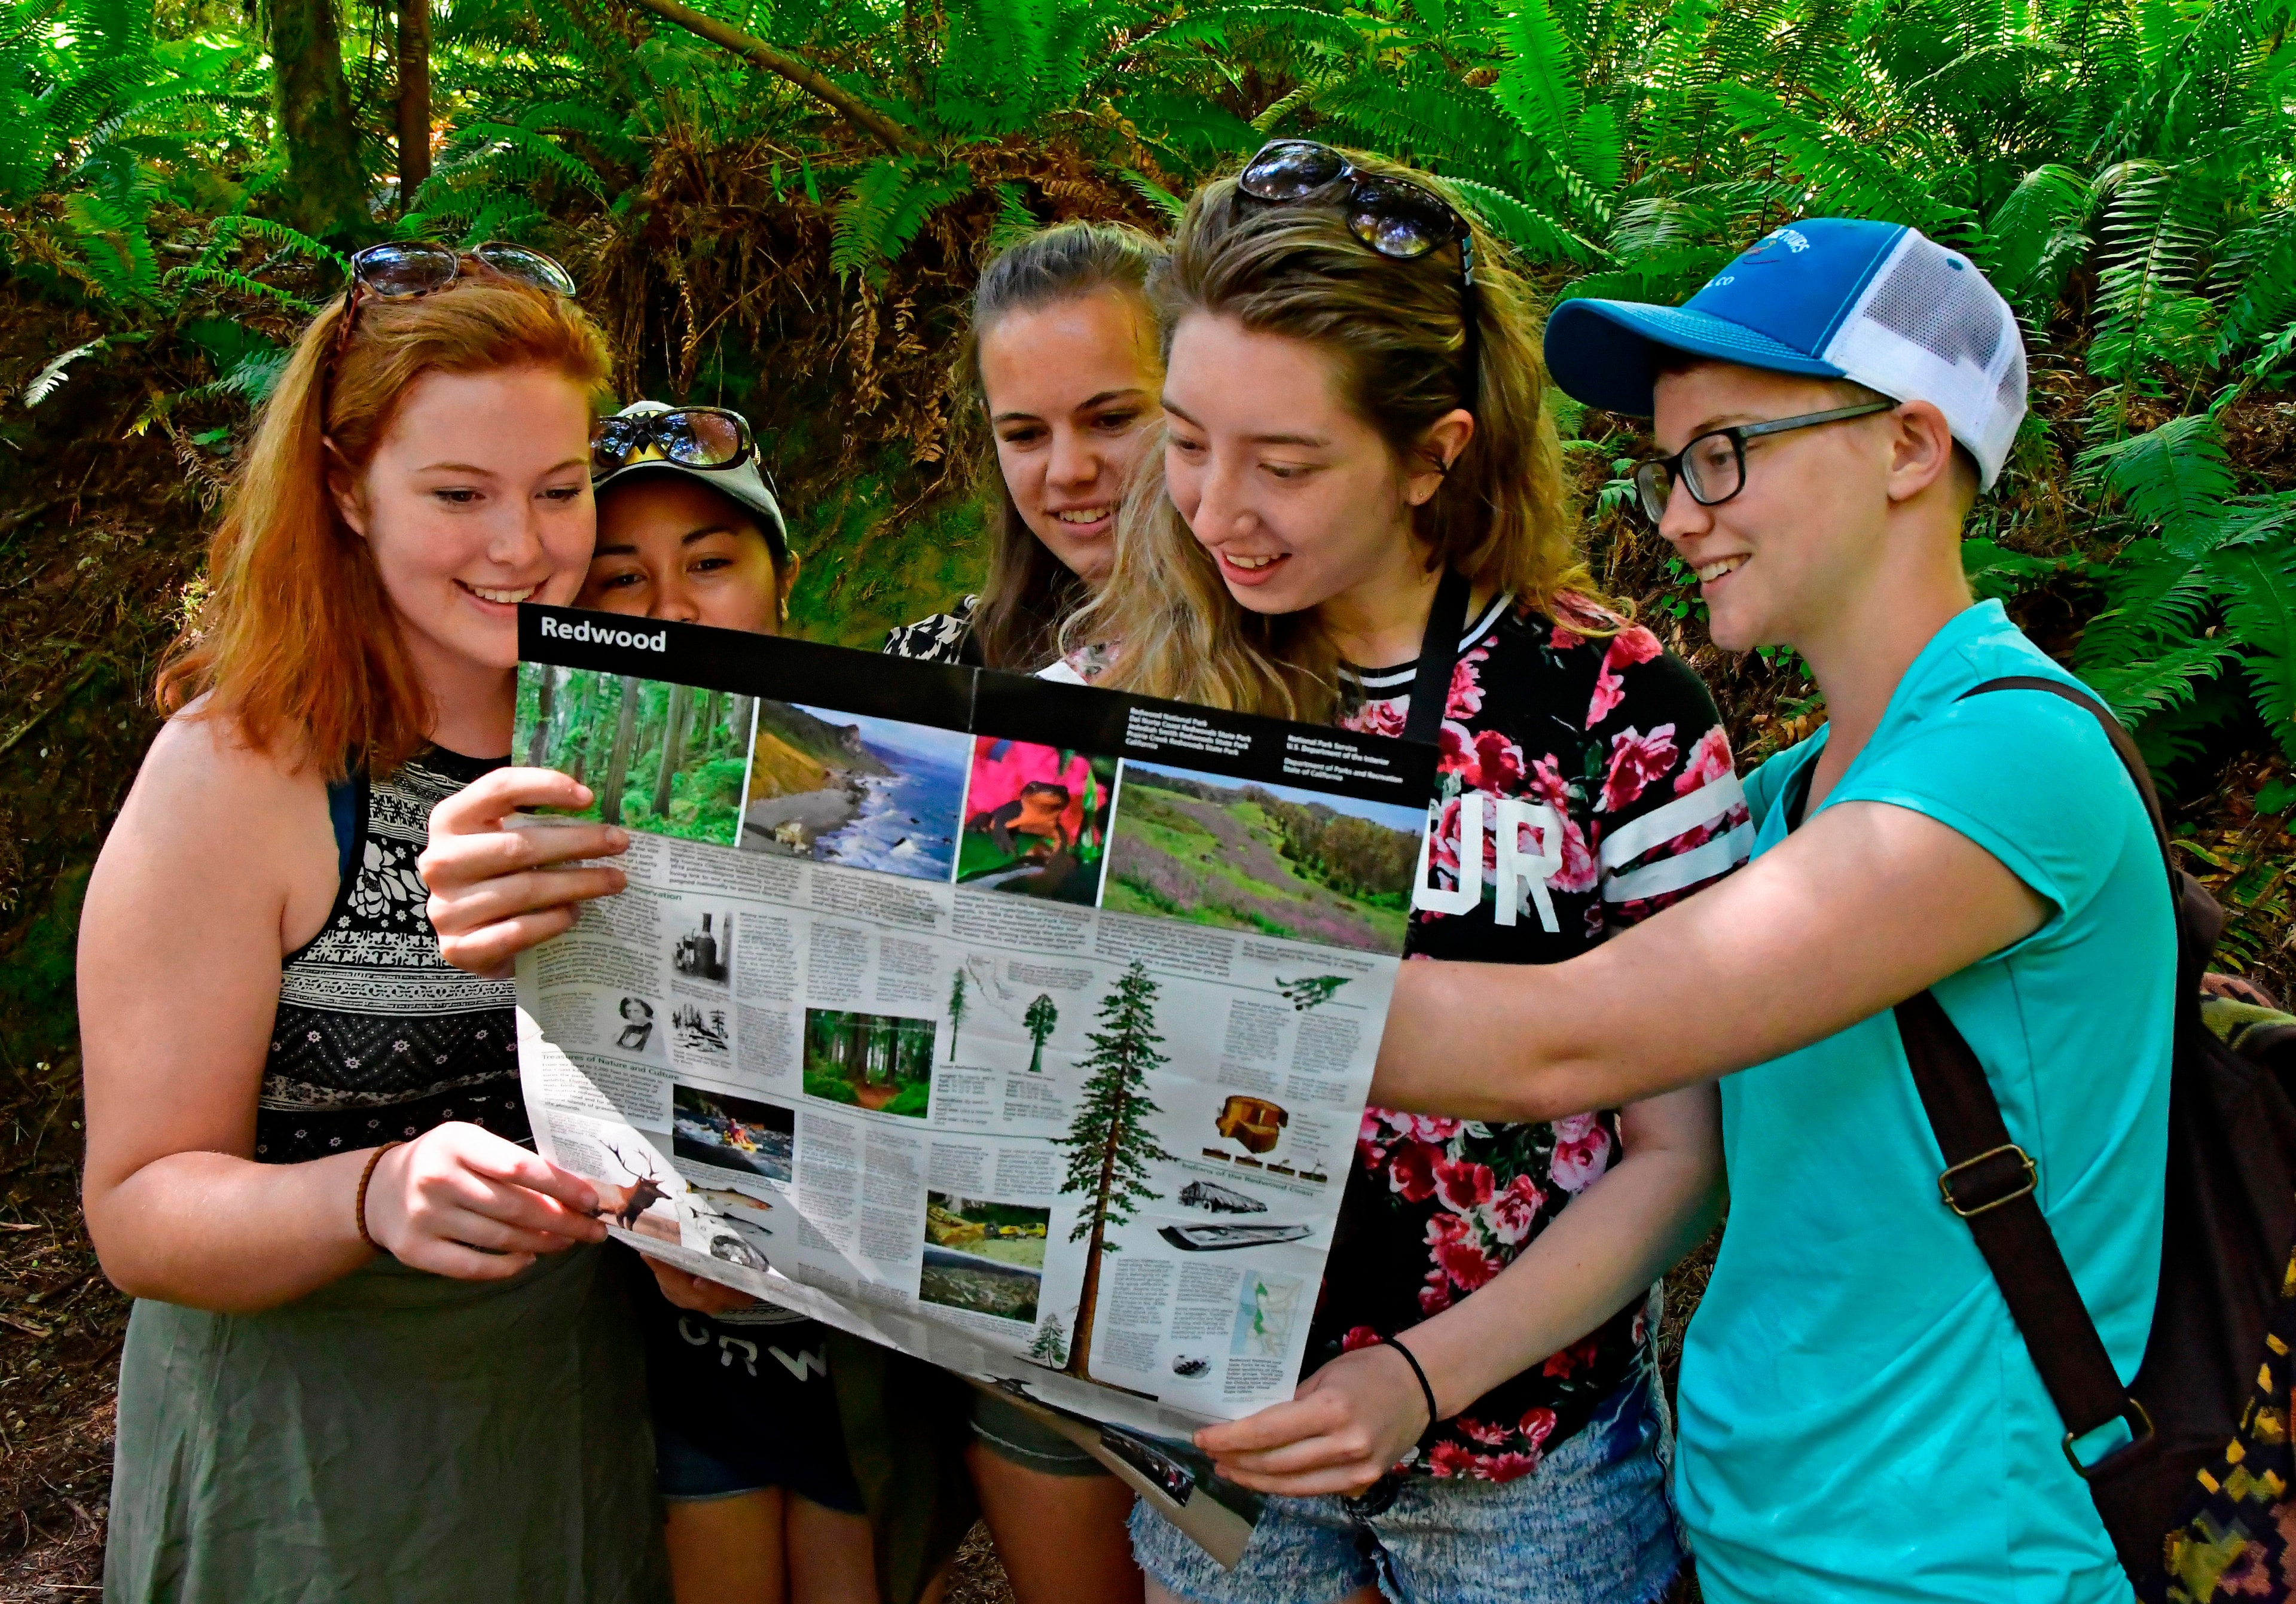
(1354, 473)
(1622, 741)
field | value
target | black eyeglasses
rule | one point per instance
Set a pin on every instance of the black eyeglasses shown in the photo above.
(1713, 468)
(709, 438)
(1398, 218)
(402, 269)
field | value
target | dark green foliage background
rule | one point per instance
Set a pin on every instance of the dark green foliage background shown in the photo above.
(2124, 169)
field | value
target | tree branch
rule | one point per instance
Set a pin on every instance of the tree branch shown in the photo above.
(803, 74)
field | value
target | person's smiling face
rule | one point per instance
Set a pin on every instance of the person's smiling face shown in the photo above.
(1775, 561)
(476, 499)
(1072, 392)
(1296, 495)
(669, 546)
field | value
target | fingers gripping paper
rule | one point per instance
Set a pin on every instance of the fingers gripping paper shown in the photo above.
(1024, 1027)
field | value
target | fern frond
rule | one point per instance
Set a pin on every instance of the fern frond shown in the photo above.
(232, 228)
(240, 283)
(883, 209)
(2135, 691)
(1015, 221)
(2261, 260)
(2147, 313)
(113, 249)
(1538, 235)
(2154, 598)
(1847, 175)
(45, 382)
(2258, 582)
(1163, 200)
(2175, 478)
(490, 141)
(2034, 237)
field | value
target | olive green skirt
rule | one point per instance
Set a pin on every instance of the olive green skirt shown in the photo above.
(395, 1436)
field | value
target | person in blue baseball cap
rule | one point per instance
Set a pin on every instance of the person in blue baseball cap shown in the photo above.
(1860, 1417)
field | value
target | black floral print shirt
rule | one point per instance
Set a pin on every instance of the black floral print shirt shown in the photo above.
(1604, 756)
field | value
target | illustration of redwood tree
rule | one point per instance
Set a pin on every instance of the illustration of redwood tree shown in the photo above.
(955, 1010)
(1109, 1146)
(1038, 1021)
(1051, 1348)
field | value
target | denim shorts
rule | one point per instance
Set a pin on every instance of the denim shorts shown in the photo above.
(1592, 1523)
(1014, 1435)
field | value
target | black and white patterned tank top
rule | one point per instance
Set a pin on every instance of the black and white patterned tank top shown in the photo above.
(378, 1038)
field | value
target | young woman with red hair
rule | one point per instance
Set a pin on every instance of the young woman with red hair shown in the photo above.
(372, 1355)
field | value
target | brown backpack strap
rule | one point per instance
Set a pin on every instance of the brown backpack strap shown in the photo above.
(1989, 1180)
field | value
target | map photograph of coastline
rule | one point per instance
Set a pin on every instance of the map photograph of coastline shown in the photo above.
(733, 1133)
(1301, 864)
(988, 1257)
(844, 789)
(878, 1061)
(1036, 820)
(666, 758)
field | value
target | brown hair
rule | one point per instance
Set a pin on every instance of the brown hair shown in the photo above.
(1398, 331)
(295, 640)
(1029, 590)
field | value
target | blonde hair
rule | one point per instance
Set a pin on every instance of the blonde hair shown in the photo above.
(1397, 330)
(296, 640)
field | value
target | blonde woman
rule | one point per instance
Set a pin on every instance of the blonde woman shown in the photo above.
(1361, 518)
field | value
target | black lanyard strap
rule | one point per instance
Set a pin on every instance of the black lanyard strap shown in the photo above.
(1438, 655)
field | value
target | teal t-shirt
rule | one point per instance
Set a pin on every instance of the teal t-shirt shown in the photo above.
(1859, 1417)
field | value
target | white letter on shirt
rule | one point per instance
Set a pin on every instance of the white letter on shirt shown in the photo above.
(1468, 894)
(1517, 873)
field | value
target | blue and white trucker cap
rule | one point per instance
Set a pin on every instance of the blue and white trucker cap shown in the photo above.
(1836, 298)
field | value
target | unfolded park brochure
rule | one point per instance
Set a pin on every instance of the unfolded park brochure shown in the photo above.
(1022, 1026)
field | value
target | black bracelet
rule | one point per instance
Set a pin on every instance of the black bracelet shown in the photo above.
(1425, 1390)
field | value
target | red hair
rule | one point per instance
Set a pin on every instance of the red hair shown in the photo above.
(295, 640)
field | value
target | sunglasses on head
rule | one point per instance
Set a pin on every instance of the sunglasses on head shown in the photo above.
(709, 438)
(403, 269)
(1400, 219)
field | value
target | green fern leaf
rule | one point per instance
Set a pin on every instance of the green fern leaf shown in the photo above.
(2258, 581)
(1538, 235)
(240, 283)
(2135, 691)
(1163, 200)
(490, 141)
(2175, 478)
(2033, 237)
(2148, 314)
(1015, 221)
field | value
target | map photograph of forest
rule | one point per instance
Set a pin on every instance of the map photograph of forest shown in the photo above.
(1306, 864)
(667, 759)
(876, 1061)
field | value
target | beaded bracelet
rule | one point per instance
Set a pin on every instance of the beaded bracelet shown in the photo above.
(1425, 1390)
(359, 1204)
